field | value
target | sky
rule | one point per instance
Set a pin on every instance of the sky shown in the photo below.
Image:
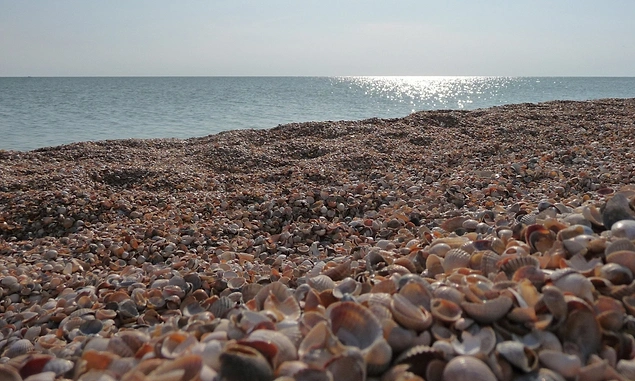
(317, 37)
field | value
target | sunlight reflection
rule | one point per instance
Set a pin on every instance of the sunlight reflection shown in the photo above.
(430, 92)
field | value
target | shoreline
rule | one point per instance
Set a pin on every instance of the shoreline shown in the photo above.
(281, 206)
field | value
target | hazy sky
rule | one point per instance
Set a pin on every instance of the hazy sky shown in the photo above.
(322, 37)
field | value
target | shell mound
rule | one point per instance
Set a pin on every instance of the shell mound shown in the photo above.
(423, 247)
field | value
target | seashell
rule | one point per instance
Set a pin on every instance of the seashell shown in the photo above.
(176, 344)
(286, 350)
(489, 311)
(398, 337)
(615, 273)
(280, 290)
(456, 258)
(221, 306)
(564, 364)
(418, 358)
(409, 315)
(321, 282)
(624, 258)
(573, 231)
(91, 327)
(241, 362)
(617, 209)
(285, 309)
(339, 271)
(489, 262)
(353, 324)
(626, 368)
(8, 373)
(445, 310)
(511, 265)
(582, 329)
(417, 293)
(449, 293)
(347, 286)
(349, 365)
(575, 283)
(439, 249)
(621, 244)
(539, 237)
(18, 347)
(250, 291)
(186, 367)
(518, 355)
(467, 368)
(434, 265)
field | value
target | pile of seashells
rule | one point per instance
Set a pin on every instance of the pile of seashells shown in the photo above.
(348, 281)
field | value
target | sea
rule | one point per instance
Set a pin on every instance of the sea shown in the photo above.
(50, 111)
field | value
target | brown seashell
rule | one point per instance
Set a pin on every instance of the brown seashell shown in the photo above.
(573, 282)
(250, 291)
(467, 368)
(348, 366)
(386, 286)
(489, 262)
(456, 258)
(449, 293)
(283, 309)
(539, 237)
(188, 367)
(338, 271)
(615, 273)
(354, 324)
(518, 355)
(407, 263)
(511, 265)
(445, 310)
(565, 364)
(623, 257)
(489, 311)
(616, 209)
(286, 351)
(280, 290)
(409, 315)
(434, 266)
(221, 307)
(7, 373)
(454, 223)
(347, 286)
(240, 362)
(582, 329)
(417, 293)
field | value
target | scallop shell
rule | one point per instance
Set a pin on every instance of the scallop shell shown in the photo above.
(467, 368)
(354, 324)
(623, 257)
(418, 358)
(456, 258)
(409, 315)
(321, 282)
(221, 306)
(18, 347)
(511, 265)
(489, 311)
(347, 286)
(619, 245)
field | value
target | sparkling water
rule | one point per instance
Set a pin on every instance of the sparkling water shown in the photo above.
(39, 112)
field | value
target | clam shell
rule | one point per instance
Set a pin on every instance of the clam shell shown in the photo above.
(518, 355)
(445, 310)
(583, 330)
(564, 364)
(511, 265)
(221, 306)
(489, 311)
(18, 347)
(286, 350)
(467, 368)
(240, 362)
(418, 358)
(619, 245)
(616, 209)
(347, 286)
(340, 271)
(456, 258)
(321, 282)
(8, 373)
(409, 315)
(287, 309)
(539, 237)
(280, 290)
(625, 258)
(417, 293)
(575, 283)
(353, 324)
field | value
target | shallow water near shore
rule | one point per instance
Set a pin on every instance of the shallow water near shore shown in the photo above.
(40, 112)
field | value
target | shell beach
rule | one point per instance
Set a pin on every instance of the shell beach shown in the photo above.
(495, 244)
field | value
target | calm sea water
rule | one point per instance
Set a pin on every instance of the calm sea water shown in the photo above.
(40, 112)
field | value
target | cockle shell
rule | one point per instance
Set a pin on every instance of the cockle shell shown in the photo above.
(240, 362)
(518, 355)
(467, 368)
(456, 258)
(562, 363)
(409, 315)
(489, 311)
(445, 310)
